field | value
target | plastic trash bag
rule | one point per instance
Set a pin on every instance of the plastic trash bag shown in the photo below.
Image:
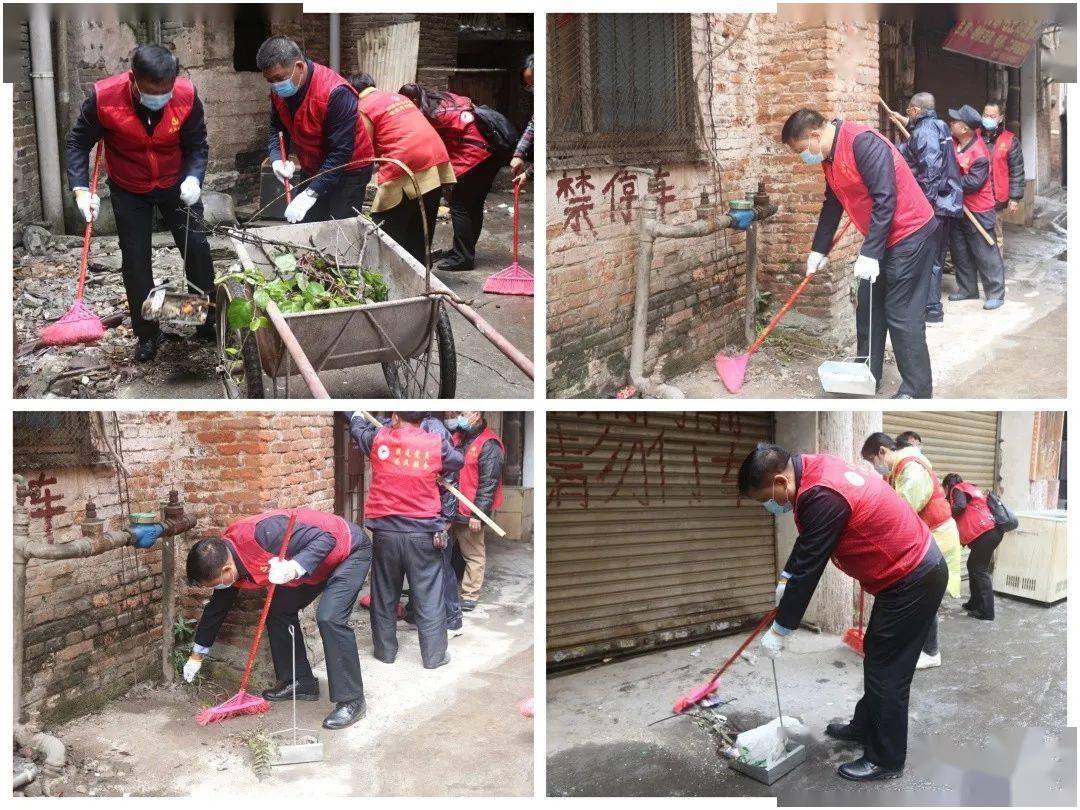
(766, 745)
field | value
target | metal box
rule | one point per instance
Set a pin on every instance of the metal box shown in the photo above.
(1031, 561)
(795, 757)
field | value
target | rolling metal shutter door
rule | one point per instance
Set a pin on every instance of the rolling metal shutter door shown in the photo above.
(646, 543)
(964, 442)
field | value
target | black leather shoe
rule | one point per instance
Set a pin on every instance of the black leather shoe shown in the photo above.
(283, 691)
(148, 348)
(385, 659)
(345, 714)
(863, 770)
(968, 606)
(206, 332)
(978, 614)
(453, 266)
(468, 604)
(962, 297)
(898, 395)
(842, 731)
(443, 663)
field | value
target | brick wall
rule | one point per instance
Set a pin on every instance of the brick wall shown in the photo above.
(26, 191)
(93, 626)
(698, 285)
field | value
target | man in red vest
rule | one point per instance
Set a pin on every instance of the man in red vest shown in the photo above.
(156, 150)
(872, 535)
(973, 258)
(403, 511)
(1006, 157)
(869, 179)
(326, 556)
(981, 534)
(316, 109)
(400, 131)
(481, 483)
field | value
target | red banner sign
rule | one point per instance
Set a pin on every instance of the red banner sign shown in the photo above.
(1006, 42)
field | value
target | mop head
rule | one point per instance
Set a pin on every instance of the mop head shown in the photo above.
(732, 371)
(694, 696)
(853, 637)
(238, 705)
(78, 325)
(513, 280)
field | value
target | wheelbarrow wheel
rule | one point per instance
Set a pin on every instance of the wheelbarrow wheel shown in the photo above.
(431, 375)
(238, 354)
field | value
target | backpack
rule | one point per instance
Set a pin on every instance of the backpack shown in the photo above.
(497, 130)
(1004, 517)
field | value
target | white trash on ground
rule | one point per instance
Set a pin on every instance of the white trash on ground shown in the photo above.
(766, 745)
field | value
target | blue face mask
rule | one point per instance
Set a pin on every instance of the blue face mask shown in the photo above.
(989, 123)
(286, 87)
(810, 158)
(463, 422)
(154, 102)
(777, 508)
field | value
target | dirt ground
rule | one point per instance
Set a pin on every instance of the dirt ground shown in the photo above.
(452, 731)
(184, 368)
(986, 728)
(1017, 351)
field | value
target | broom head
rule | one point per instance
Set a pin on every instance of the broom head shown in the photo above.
(732, 371)
(695, 696)
(78, 325)
(238, 705)
(512, 280)
(853, 637)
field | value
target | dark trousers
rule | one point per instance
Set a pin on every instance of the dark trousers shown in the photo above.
(411, 554)
(975, 260)
(934, 311)
(134, 228)
(451, 595)
(978, 565)
(467, 209)
(899, 308)
(930, 646)
(339, 594)
(404, 225)
(345, 199)
(899, 622)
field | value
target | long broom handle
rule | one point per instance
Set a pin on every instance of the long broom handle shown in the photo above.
(768, 617)
(265, 609)
(978, 226)
(84, 261)
(457, 493)
(517, 195)
(284, 157)
(791, 300)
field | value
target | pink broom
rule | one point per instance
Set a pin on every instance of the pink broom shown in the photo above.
(79, 324)
(243, 703)
(515, 279)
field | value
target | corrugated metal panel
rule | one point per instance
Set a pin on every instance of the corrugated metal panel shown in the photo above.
(964, 442)
(389, 54)
(647, 542)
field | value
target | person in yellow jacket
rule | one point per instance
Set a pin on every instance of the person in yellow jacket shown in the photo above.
(912, 476)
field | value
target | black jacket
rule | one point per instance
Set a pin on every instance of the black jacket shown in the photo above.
(1015, 158)
(930, 154)
(489, 468)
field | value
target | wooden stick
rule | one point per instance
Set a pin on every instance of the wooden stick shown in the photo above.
(978, 226)
(457, 493)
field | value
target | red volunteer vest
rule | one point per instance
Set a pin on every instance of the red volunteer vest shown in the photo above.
(982, 199)
(455, 121)
(937, 509)
(405, 463)
(976, 519)
(912, 209)
(307, 134)
(138, 162)
(256, 559)
(401, 131)
(884, 540)
(470, 473)
(999, 165)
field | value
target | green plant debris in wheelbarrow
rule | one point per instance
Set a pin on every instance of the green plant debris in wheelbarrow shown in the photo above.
(307, 284)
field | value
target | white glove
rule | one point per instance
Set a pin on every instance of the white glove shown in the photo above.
(191, 669)
(772, 644)
(781, 586)
(866, 268)
(190, 191)
(283, 170)
(299, 206)
(282, 571)
(816, 261)
(89, 204)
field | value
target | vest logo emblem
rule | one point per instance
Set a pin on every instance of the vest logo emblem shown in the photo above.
(467, 117)
(383, 452)
(854, 478)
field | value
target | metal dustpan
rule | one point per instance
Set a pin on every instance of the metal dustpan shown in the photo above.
(295, 745)
(767, 775)
(171, 308)
(851, 376)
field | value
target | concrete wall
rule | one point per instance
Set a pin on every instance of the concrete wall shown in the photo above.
(1030, 455)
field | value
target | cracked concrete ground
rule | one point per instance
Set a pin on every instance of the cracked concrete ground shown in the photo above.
(1017, 351)
(986, 728)
(453, 731)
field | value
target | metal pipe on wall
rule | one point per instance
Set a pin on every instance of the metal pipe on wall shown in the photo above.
(335, 42)
(48, 148)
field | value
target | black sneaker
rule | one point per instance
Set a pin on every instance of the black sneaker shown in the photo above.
(148, 348)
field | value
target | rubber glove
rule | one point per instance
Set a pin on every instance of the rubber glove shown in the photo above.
(283, 170)
(282, 571)
(89, 204)
(299, 207)
(191, 669)
(866, 268)
(190, 191)
(781, 586)
(815, 261)
(772, 643)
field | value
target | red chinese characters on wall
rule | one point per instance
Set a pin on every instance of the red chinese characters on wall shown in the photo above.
(575, 192)
(48, 504)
